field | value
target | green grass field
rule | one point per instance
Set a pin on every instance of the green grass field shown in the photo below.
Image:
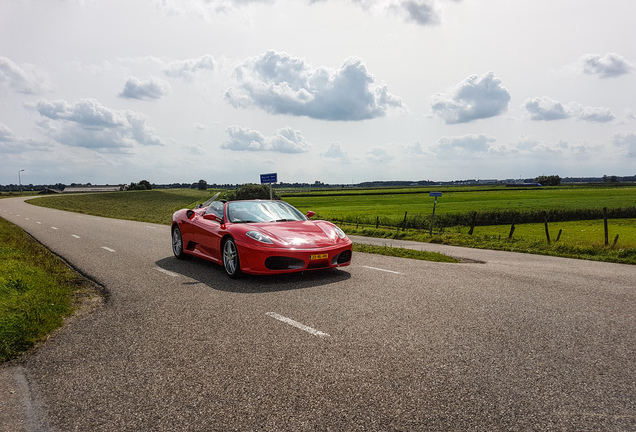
(390, 208)
(155, 206)
(359, 211)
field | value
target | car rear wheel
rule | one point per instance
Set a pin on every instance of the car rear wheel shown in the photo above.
(231, 259)
(177, 244)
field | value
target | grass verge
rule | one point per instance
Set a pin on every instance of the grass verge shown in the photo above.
(37, 291)
(404, 253)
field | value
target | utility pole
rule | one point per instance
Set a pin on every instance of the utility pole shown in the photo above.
(20, 180)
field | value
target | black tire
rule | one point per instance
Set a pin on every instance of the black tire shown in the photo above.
(231, 262)
(177, 244)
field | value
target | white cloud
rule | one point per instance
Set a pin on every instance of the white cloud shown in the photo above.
(89, 124)
(6, 134)
(421, 12)
(145, 90)
(547, 109)
(281, 84)
(465, 145)
(284, 140)
(10, 143)
(626, 141)
(187, 69)
(206, 8)
(378, 155)
(22, 78)
(527, 146)
(591, 114)
(608, 66)
(476, 97)
(335, 151)
(414, 148)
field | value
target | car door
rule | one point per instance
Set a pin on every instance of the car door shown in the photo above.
(207, 231)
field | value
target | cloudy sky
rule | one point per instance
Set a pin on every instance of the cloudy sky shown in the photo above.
(338, 91)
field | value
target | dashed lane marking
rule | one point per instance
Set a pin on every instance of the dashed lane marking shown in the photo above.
(296, 324)
(383, 270)
(54, 228)
(76, 236)
(108, 249)
(168, 272)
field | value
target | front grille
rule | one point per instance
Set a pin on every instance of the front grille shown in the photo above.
(283, 263)
(318, 265)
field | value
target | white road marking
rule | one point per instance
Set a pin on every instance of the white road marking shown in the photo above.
(151, 227)
(27, 219)
(379, 269)
(39, 223)
(76, 236)
(53, 228)
(296, 324)
(108, 249)
(168, 272)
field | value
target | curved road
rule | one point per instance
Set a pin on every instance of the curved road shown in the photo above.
(517, 342)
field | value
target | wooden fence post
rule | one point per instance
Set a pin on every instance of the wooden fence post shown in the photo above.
(512, 230)
(547, 232)
(472, 224)
(404, 225)
(615, 240)
(559, 235)
(377, 222)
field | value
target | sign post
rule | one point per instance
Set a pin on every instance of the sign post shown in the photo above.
(434, 194)
(269, 178)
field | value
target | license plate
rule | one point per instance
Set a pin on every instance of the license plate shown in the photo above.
(319, 256)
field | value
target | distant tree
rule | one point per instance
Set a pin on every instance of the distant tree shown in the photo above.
(203, 185)
(551, 180)
(251, 191)
(142, 185)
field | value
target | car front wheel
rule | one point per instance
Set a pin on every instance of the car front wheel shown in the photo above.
(231, 259)
(177, 244)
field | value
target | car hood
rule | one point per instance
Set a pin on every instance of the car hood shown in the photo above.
(300, 234)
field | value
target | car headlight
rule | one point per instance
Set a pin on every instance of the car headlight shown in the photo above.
(340, 232)
(259, 237)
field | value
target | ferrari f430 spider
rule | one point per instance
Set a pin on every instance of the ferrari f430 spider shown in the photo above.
(258, 237)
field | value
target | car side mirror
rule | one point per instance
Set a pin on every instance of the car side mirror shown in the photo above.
(311, 214)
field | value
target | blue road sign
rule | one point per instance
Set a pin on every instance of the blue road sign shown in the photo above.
(435, 194)
(269, 178)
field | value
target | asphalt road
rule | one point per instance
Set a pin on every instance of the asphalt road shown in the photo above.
(514, 343)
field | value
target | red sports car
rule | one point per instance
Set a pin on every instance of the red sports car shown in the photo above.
(258, 237)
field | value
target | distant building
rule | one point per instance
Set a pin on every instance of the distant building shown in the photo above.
(93, 188)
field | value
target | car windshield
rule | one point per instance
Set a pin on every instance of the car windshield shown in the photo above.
(262, 211)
